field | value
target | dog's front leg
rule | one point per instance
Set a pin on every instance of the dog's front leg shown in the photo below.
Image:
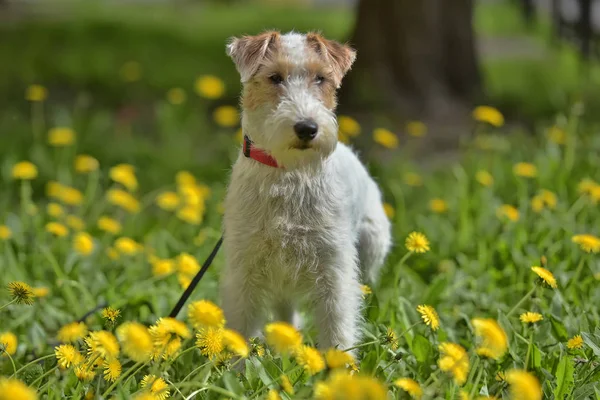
(338, 303)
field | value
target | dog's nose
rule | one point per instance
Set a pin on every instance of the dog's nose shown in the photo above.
(306, 130)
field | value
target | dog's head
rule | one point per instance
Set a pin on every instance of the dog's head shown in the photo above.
(289, 96)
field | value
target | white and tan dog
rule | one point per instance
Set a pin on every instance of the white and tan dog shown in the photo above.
(304, 220)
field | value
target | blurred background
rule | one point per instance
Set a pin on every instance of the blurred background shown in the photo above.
(130, 69)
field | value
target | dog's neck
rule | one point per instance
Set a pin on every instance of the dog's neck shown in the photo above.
(251, 151)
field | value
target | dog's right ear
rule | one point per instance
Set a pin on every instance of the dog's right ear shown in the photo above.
(249, 52)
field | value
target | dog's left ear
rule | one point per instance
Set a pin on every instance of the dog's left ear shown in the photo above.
(249, 52)
(339, 56)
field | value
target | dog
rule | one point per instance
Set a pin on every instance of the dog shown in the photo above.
(304, 221)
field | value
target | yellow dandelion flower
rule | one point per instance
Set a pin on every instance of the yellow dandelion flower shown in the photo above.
(488, 115)
(341, 385)
(184, 280)
(187, 264)
(166, 334)
(102, 344)
(586, 186)
(587, 243)
(24, 170)
(157, 386)
(348, 126)
(205, 313)
(168, 201)
(282, 336)
(416, 128)
(5, 232)
(36, 93)
(125, 175)
(209, 86)
(85, 372)
(523, 385)
(412, 179)
(493, 339)
(549, 198)
(128, 246)
(131, 71)
(110, 225)
(83, 243)
(67, 355)
(416, 242)
(191, 214)
(530, 317)
(546, 276)
(72, 332)
(111, 314)
(40, 291)
(389, 210)
(429, 316)
(84, 164)
(286, 385)
(385, 138)
(185, 178)
(144, 396)
(163, 267)
(226, 116)
(112, 370)
(61, 136)
(8, 343)
(14, 389)
(438, 206)
(537, 204)
(410, 386)
(75, 223)
(235, 343)
(71, 196)
(310, 358)
(123, 199)
(366, 290)
(557, 135)
(336, 358)
(391, 338)
(484, 178)
(454, 360)
(576, 342)
(136, 341)
(53, 189)
(54, 210)
(509, 212)
(525, 170)
(210, 341)
(21, 292)
(273, 395)
(176, 96)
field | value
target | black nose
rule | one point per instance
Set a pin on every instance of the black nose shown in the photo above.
(306, 130)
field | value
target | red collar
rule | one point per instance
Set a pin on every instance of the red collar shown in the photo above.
(257, 154)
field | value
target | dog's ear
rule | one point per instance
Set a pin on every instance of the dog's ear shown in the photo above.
(248, 52)
(339, 56)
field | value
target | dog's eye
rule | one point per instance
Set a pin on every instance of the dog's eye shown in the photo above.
(276, 79)
(320, 79)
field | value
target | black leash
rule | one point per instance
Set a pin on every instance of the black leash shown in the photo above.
(195, 281)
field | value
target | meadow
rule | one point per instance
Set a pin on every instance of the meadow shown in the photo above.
(112, 191)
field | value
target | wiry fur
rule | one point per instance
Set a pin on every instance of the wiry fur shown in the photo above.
(307, 231)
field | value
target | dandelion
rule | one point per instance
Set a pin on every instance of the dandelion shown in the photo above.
(187, 264)
(83, 243)
(286, 385)
(21, 292)
(348, 126)
(226, 116)
(493, 339)
(509, 212)
(310, 358)
(40, 291)
(273, 395)
(190, 214)
(429, 316)
(385, 138)
(85, 164)
(488, 115)
(438, 206)
(102, 344)
(5, 232)
(185, 178)
(131, 71)
(410, 386)
(111, 314)
(454, 360)
(523, 385)
(54, 210)
(530, 317)
(484, 178)
(157, 386)
(391, 338)
(184, 281)
(24, 170)
(412, 179)
(557, 135)
(416, 242)
(210, 341)
(576, 342)
(59, 137)
(336, 358)
(71, 196)
(125, 175)
(235, 343)
(282, 336)
(85, 372)
(546, 276)
(109, 225)
(127, 246)
(8, 343)
(389, 210)
(416, 128)
(36, 93)
(366, 290)
(205, 313)
(341, 385)
(14, 389)
(57, 229)
(136, 341)
(112, 370)
(168, 201)
(123, 199)
(176, 96)
(75, 223)
(72, 332)
(209, 87)
(166, 334)
(525, 170)
(163, 267)
(537, 203)
(587, 243)
(67, 355)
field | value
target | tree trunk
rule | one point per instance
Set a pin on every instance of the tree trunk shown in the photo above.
(416, 58)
